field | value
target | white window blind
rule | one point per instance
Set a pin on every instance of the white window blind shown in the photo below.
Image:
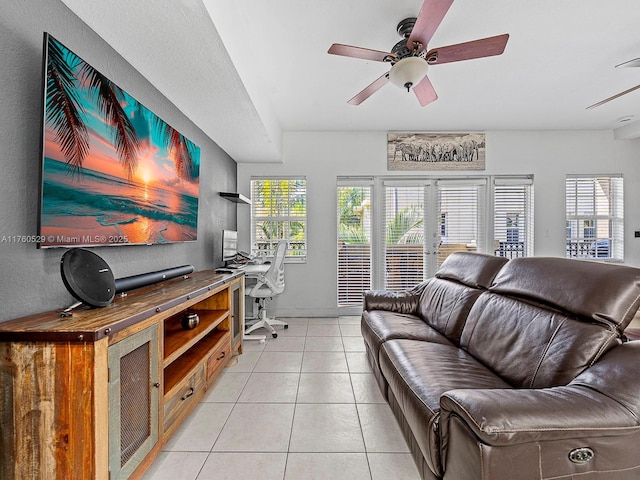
(404, 239)
(279, 212)
(461, 208)
(595, 217)
(513, 217)
(354, 241)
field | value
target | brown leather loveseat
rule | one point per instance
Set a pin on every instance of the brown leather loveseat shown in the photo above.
(512, 370)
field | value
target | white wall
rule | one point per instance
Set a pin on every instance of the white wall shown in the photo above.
(323, 156)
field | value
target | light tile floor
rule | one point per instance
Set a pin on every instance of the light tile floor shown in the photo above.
(303, 406)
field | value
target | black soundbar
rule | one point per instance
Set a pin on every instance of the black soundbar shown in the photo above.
(144, 279)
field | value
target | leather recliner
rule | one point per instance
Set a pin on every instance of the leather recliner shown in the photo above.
(513, 369)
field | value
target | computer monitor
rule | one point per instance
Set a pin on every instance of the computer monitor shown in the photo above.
(229, 245)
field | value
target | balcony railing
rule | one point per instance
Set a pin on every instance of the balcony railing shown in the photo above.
(509, 250)
(267, 248)
(584, 248)
(589, 248)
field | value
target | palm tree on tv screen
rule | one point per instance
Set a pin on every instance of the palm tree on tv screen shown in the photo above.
(67, 74)
(181, 148)
(107, 95)
(64, 114)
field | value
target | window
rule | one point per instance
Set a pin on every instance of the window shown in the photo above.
(595, 217)
(589, 229)
(461, 203)
(513, 217)
(279, 212)
(443, 224)
(403, 235)
(354, 241)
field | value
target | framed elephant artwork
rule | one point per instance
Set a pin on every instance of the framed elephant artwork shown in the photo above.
(436, 151)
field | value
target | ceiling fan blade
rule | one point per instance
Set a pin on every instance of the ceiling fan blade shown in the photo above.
(429, 18)
(613, 97)
(359, 52)
(370, 90)
(485, 47)
(630, 63)
(425, 92)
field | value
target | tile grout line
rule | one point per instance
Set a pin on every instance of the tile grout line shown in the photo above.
(355, 400)
(295, 406)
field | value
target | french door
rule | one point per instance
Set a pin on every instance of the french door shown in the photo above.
(423, 223)
(395, 233)
(354, 243)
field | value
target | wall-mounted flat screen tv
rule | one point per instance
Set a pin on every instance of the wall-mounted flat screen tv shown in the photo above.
(113, 172)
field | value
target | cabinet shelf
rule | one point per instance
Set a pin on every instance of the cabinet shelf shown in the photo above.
(178, 340)
(189, 360)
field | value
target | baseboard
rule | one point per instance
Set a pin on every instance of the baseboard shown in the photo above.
(304, 312)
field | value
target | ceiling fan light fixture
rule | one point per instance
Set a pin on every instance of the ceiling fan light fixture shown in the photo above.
(408, 72)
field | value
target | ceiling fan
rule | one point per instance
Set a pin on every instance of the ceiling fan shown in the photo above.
(410, 58)
(631, 63)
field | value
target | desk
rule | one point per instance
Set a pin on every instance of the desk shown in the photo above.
(253, 271)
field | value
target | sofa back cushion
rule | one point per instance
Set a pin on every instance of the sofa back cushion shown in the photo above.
(544, 320)
(529, 345)
(476, 270)
(447, 299)
(593, 291)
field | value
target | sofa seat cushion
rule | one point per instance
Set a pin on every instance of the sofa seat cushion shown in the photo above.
(418, 373)
(380, 326)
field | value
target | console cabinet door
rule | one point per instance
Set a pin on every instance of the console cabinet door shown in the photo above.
(133, 401)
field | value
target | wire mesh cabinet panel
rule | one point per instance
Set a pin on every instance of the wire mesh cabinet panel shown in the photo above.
(133, 401)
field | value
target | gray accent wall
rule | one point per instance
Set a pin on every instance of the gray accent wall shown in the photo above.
(30, 280)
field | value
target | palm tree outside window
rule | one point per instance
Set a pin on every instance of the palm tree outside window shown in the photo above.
(279, 212)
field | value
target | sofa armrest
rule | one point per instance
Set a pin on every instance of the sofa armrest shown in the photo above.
(507, 417)
(404, 301)
(483, 431)
(603, 400)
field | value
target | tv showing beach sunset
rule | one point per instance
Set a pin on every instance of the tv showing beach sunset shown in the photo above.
(113, 172)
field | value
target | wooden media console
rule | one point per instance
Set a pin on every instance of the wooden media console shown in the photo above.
(98, 394)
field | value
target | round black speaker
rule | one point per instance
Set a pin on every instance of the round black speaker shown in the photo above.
(87, 277)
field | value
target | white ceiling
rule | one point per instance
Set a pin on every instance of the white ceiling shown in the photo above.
(245, 71)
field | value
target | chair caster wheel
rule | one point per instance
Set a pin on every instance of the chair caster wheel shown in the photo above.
(274, 335)
(286, 326)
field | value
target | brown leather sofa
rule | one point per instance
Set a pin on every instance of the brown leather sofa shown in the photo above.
(512, 370)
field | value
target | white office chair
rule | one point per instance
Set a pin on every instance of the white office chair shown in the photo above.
(269, 285)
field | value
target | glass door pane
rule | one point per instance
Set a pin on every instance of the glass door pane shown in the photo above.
(354, 243)
(404, 236)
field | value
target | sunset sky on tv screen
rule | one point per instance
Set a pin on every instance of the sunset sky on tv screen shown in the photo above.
(113, 172)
